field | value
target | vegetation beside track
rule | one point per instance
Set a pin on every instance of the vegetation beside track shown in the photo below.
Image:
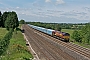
(12, 47)
(3, 32)
(17, 49)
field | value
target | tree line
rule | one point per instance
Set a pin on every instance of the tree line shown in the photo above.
(9, 20)
(58, 26)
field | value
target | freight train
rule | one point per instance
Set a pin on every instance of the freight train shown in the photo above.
(60, 35)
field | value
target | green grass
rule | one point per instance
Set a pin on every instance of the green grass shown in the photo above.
(70, 31)
(17, 49)
(3, 32)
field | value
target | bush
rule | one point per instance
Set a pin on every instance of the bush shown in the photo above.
(5, 41)
(76, 36)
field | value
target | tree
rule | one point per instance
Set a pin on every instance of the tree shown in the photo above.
(87, 37)
(86, 33)
(48, 26)
(11, 21)
(0, 19)
(76, 36)
(22, 22)
(57, 27)
(4, 17)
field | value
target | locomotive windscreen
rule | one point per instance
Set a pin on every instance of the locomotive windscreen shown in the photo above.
(66, 34)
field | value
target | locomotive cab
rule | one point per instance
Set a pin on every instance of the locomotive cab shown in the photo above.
(66, 36)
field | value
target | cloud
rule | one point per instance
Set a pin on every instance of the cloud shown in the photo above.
(56, 1)
(47, 0)
(87, 9)
(17, 7)
(59, 2)
(55, 15)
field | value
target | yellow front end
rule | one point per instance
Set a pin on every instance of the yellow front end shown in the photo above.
(66, 38)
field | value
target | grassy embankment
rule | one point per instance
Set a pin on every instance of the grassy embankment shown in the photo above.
(3, 32)
(70, 31)
(17, 49)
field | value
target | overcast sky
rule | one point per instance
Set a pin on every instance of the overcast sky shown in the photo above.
(54, 11)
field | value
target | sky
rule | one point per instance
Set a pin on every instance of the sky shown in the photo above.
(50, 11)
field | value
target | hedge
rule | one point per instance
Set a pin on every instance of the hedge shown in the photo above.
(4, 42)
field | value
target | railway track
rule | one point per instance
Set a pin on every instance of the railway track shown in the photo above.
(35, 44)
(46, 48)
(75, 48)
